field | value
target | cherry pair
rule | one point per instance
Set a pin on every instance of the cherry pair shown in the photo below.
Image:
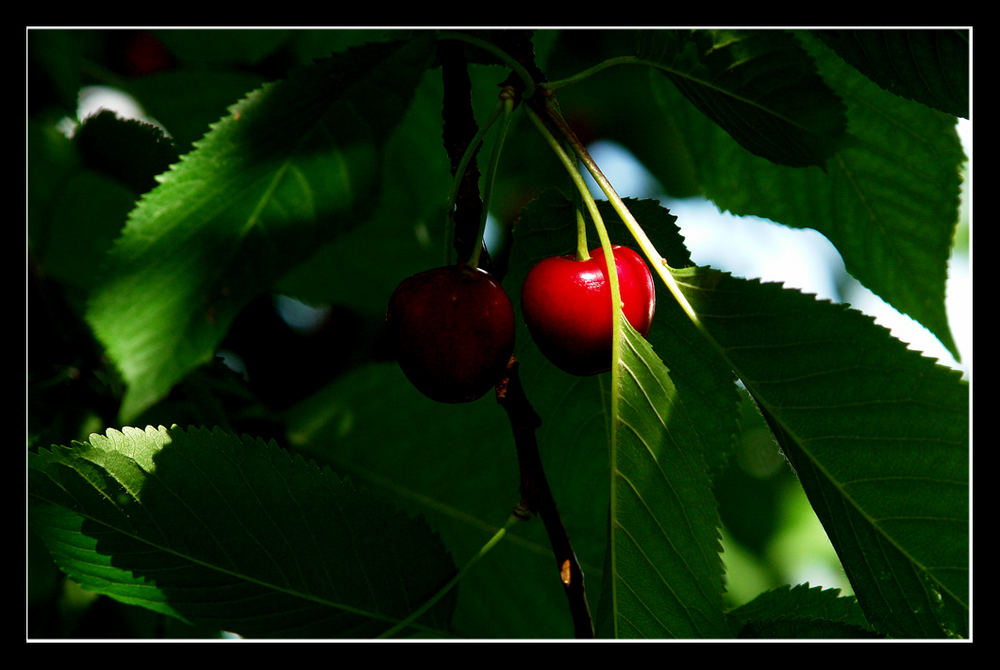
(452, 328)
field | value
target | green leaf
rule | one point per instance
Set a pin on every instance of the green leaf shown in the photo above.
(664, 576)
(806, 629)
(758, 85)
(75, 222)
(928, 66)
(234, 534)
(74, 213)
(878, 435)
(889, 202)
(295, 164)
(807, 613)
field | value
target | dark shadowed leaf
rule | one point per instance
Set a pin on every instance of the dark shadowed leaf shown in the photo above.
(927, 65)
(759, 85)
(234, 534)
(800, 611)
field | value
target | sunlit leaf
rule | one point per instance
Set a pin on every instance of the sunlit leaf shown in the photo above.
(294, 164)
(664, 572)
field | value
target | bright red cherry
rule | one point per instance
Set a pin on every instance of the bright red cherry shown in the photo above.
(452, 331)
(567, 306)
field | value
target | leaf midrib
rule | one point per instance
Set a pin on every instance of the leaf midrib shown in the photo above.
(838, 486)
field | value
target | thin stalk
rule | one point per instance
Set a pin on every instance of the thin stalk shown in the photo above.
(577, 178)
(582, 252)
(505, 106)
(420, 611)
(463, 165)
(612, 270)
(583, 74)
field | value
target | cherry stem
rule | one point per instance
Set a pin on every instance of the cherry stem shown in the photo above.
(456, 183)
(582, 252)
(462, 137)
(595, 215)
(505, 107)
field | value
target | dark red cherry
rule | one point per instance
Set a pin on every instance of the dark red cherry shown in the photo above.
(452, 331)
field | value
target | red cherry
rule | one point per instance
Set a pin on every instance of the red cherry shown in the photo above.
(146, 54)
(452, 331)
(567, 306)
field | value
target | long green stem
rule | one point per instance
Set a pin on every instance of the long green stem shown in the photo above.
(582, 252)
(506, 107)
(611, 62)
(570, 165)
(420, 611)
(463, 165)
(656, 260)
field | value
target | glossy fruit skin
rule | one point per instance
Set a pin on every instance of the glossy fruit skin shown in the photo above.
(452, 331)
(567, 306)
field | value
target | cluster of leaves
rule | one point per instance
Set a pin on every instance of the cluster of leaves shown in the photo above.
(348, 516)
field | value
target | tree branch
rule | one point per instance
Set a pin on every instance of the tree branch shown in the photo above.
(537, 497)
